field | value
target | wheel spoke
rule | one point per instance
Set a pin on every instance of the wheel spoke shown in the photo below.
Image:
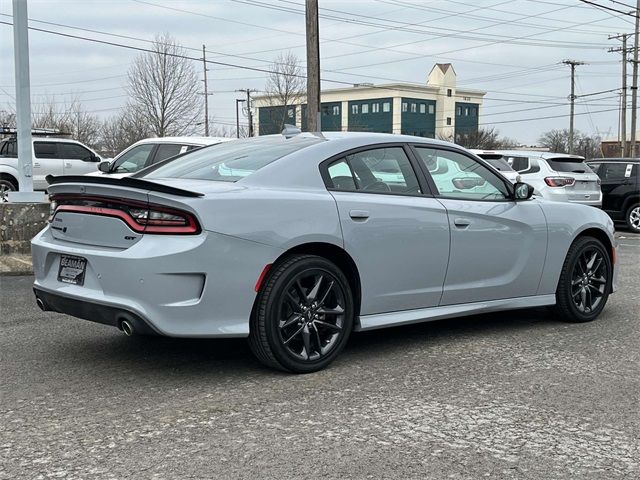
(295, 334)
(306, 339)
(591, 261)
(328, 325)
(588, 298)
(576, 281)
(313, 294)
(600, 280)
(597, 265)
(292, 319)
(300, 290)
(337, 310)
(293, 303)
(583, 297)
(326, 294)
(317, 338)
(594, 290)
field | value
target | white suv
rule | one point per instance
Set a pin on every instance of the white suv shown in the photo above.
(554, 176)
(51, 156)
(150, 151)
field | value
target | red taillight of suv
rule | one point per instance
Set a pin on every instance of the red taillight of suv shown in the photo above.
(559, 181)
(139, 216)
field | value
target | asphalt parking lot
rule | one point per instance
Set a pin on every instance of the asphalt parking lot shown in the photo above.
(514, 395)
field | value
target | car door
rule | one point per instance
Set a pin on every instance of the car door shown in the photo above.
(498, 245)
(397, 234)
(76, 159)
(616, 184)
(46, 161)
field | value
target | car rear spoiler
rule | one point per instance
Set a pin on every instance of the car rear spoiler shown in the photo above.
(122, 182)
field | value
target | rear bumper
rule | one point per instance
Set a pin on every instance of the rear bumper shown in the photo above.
(181, 286)
(592, 199)
(92, 311)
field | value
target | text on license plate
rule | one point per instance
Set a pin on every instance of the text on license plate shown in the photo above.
(72, 269)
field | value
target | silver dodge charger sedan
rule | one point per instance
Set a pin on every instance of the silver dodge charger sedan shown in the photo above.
(296, 240)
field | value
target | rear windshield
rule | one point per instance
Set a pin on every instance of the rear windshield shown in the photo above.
(572, 165)
(230, 161)
(499, 164)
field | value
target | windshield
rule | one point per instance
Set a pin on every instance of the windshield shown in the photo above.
(230, 161)
(573, 165)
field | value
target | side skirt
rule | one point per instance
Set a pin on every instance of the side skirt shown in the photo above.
(380, 320)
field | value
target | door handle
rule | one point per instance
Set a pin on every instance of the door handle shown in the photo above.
(359, 214)
(462, 222)
(36, 164)
(68, 165)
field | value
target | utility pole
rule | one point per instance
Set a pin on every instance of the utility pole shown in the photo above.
(206, 93)
(573, 64)
(634, 87)
(623, 101)
(248, 91)
(238, 101)
(313, 66)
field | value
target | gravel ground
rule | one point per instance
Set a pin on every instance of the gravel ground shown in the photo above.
(512, 395)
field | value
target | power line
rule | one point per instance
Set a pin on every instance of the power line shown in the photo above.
(604, 7)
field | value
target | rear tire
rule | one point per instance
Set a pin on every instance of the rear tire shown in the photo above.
(632, 218)
(303, 315)
(585, 281)
(7, 184)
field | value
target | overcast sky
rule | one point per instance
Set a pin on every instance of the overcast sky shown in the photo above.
(512, 49)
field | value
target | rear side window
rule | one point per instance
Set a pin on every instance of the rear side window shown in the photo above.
(9, 148)
(167, 150)
(499, 164)
(615, 171)
(231, 161)
(379, 170)
(45, 149)
(570, 165)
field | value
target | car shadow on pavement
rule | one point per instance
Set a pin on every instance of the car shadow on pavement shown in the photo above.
(232, 357)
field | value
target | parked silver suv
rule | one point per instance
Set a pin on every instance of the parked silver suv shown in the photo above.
(554, 176)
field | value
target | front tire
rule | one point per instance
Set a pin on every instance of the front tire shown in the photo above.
(632, 218)
(303, 315)
(7, 184)
(585, 281)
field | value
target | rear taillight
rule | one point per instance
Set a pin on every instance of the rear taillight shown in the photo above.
(559, 181)
(140, 217)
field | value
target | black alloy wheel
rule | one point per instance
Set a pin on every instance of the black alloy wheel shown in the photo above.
(585, 281)
(303, 316)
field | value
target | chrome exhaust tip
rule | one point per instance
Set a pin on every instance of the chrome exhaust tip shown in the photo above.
(127, 327)
(41, 304)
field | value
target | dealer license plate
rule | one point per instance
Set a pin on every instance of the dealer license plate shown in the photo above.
(72, 269)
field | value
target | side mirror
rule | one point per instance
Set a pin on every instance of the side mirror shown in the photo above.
(104, 167)
(522, 191)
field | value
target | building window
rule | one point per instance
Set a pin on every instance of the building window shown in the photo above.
(459, 111)
(386, 107)
(448, 120)
(449, 92)
(466, 111)
(413, 107)
(423, 108)
(404, 106)
(365, 108)
(375, 107)
(291, 112)
(474, 111)
(325, 110)
(336, 110)
(354, 109)
(431, 109)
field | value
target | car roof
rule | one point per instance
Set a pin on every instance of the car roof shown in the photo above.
(185, 140)
(528, 153)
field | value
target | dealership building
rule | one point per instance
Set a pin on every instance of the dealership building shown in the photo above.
(436, 109)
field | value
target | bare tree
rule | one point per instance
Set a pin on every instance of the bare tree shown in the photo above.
(69, 118)
(285, 86)
(558, 141)
(163, 87)
(122, 130)
(484, 138)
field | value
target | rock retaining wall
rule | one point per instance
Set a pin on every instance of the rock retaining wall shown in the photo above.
(19, 222)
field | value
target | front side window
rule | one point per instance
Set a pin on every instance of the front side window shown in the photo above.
(380, 170)
(9, 148)
(386, 106)
(133, 159)
(460, 177)
(231, 161)
(45, 150)
(74, 151)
